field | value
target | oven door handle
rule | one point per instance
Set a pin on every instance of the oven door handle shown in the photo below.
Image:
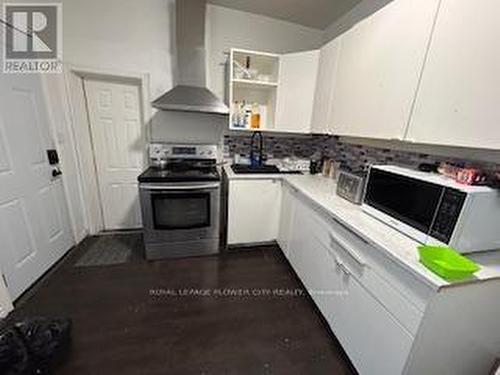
(179, 187)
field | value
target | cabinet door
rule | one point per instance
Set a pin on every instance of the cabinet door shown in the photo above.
(301, 252)
(371, 337)
(379, 68)
(458, 100)
(323, 97)
(253, 211)
(311, 258)
(286, 219)
(297, 82)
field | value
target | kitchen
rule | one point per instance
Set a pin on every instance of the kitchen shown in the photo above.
(203, 176)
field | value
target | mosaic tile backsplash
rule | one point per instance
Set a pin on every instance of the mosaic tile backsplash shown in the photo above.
(276, 147)
(356, 157)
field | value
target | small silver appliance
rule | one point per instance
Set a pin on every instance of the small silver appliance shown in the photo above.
(351, 186)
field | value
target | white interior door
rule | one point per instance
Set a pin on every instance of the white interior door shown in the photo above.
(119, 141)
(6, 305)
(34, 221)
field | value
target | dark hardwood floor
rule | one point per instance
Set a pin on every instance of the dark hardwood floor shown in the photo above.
(134, 319)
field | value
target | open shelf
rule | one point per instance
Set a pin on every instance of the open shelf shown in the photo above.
(253, 81)
(249, 83)
(260, 64)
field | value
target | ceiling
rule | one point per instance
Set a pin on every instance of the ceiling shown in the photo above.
(313, 13)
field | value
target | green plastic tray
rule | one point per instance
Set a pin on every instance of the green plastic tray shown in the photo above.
(446, 262)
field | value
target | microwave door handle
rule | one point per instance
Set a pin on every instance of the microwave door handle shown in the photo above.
(178, 187)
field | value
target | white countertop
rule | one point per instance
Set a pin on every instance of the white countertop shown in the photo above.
(397, 246)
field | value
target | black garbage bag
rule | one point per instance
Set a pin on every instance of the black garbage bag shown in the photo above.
(13, 353)
(34, 346)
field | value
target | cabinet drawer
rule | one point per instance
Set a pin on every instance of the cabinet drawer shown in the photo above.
(355, 264)
(403, 295)
(372, 321)
(408, 285)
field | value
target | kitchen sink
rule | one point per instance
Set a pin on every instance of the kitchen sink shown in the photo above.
(260, 169)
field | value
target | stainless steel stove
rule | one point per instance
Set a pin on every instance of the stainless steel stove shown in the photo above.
(180, 198)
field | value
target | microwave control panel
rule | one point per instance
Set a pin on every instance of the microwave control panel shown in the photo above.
(447, 215)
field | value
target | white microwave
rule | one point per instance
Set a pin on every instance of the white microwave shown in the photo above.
(434, 209)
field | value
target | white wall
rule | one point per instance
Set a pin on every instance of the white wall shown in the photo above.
(228, 28)
(126, 35)
(137, 36)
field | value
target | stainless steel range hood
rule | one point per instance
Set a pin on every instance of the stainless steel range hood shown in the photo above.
(191, 94)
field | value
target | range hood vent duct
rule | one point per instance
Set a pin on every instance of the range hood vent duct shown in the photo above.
(191, 94)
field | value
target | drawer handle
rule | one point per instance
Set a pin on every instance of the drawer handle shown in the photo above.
(349, 250)
(345, 269)
(339, 264)
(353, 233)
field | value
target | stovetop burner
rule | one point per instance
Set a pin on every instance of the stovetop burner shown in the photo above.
(153, 174)
(181, 163)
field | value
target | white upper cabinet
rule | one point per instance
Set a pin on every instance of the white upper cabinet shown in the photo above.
(252, 85)
(322, 109)
(297, 83)
(379, 68)
(458, 102)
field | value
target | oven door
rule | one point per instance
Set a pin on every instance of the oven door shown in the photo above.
(177, 212)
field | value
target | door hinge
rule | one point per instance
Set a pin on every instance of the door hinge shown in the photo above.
(5, 280)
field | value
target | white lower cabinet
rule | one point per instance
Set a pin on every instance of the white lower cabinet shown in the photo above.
(253, 211)
(370, 335)
(374, 339)
(388, 320)
(285, 224)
